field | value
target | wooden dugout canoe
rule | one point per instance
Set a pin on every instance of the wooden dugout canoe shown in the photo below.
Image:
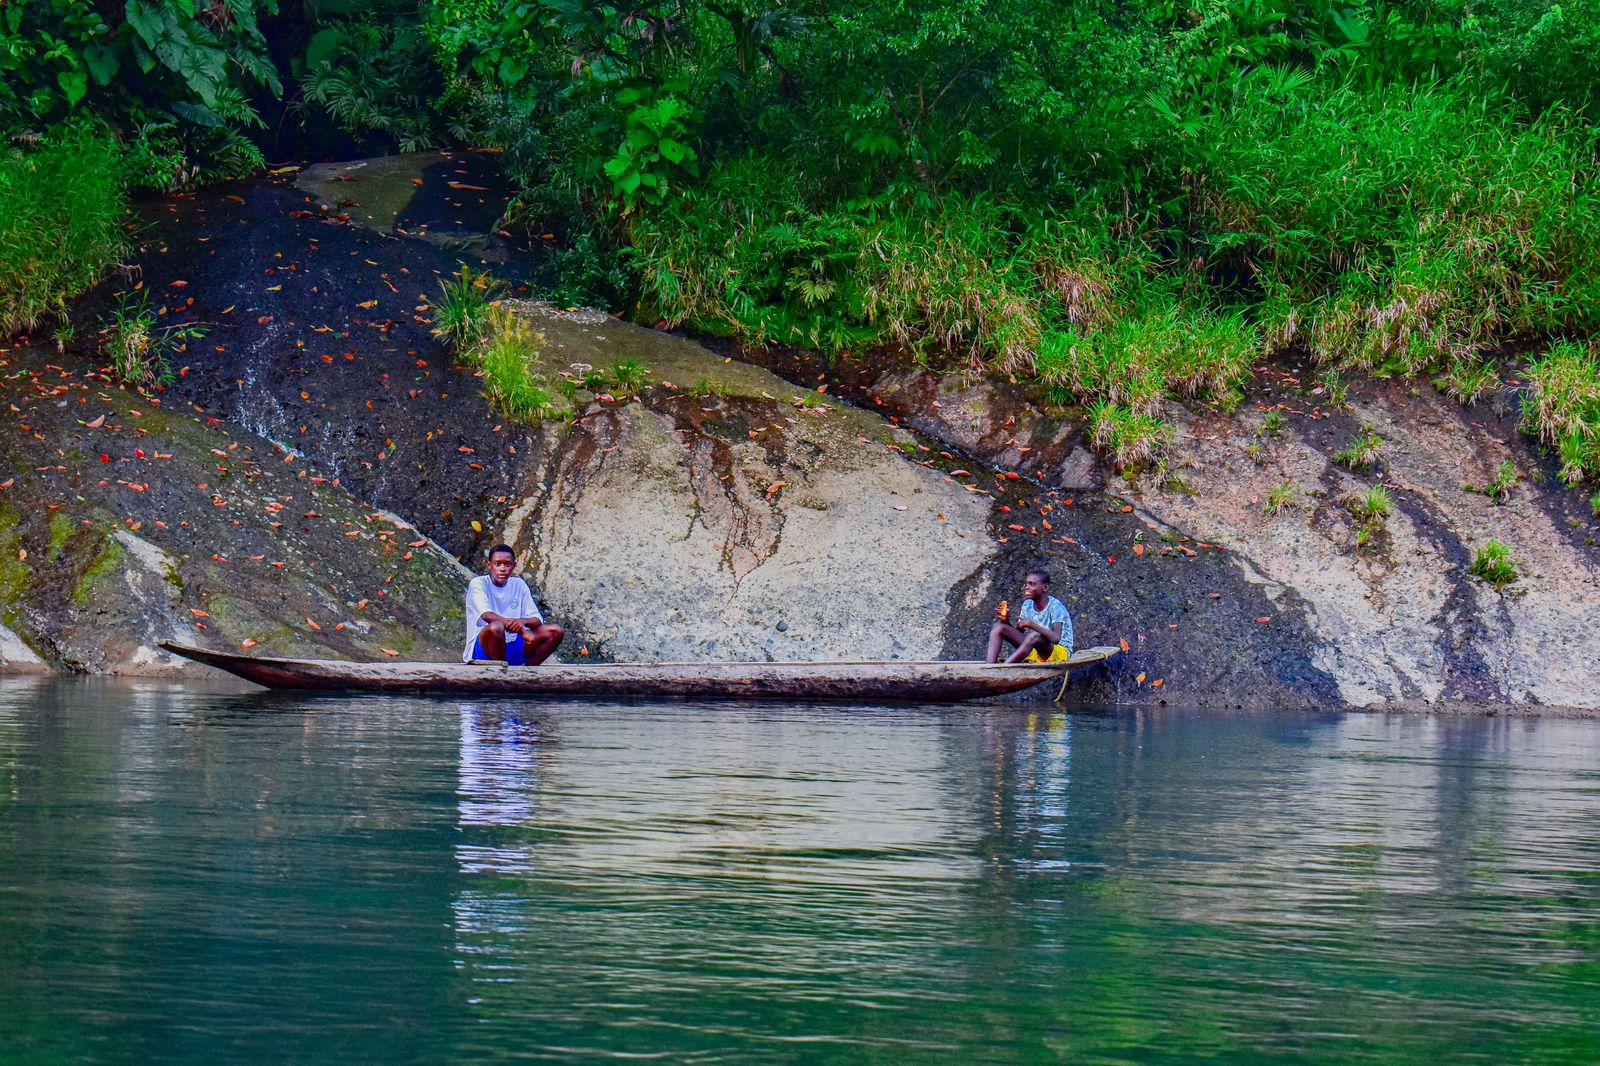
(847, 682)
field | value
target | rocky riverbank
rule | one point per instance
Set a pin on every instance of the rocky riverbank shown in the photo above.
(1397, 619)
(310, 479)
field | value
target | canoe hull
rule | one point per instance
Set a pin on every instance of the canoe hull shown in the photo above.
(860, 682)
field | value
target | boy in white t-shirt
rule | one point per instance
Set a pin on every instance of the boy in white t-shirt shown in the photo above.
(503, 622)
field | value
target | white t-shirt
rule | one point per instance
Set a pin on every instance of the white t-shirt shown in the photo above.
(512, 600)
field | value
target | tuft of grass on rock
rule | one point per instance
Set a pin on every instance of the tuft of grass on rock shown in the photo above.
(1376, 504)
(1594, 504)
(1493, 563)
(1499, 489)
(1371, 509)
(1280, 496)
(1467, 379)
(1272, 423)
(1335, 392)
(628, 377)
(1562, 406)
(1361, 453)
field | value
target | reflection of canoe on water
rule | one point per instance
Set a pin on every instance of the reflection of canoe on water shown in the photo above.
(861, 682)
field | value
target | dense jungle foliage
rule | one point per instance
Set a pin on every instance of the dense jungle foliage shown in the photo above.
(1115, 202)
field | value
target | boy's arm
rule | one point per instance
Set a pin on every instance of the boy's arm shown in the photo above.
(1051, 634)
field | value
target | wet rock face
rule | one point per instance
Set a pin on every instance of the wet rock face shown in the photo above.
(1402, 618)
(126, 524)
(736, 523)
(1227, 601)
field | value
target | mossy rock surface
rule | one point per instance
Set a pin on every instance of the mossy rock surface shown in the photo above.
(188, 529)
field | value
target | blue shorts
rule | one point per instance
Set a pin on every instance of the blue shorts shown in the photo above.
(514, 655)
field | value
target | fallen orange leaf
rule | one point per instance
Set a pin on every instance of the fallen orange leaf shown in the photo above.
(248, 642)
(1124, 642)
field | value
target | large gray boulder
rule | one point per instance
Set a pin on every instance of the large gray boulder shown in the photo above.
(743, 519)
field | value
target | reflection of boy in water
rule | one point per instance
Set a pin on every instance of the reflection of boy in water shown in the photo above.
(1043, 633)
(503, 622)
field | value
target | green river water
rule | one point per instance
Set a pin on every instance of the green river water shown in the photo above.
(192, 876)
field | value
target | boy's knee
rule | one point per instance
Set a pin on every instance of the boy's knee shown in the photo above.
(496, 628)
(554, 631)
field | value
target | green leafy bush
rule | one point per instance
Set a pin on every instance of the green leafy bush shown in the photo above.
(374, 76)
(164, 69)
(61, 211)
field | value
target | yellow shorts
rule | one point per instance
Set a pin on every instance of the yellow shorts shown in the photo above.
(1058, 654)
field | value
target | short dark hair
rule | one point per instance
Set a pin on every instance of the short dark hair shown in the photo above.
(1040, 573)
(508, 549)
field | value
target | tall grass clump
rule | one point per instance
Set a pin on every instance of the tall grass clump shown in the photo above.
(61, 210)
(1562, 407)
(1467, 379)
(462, 309)
(1399, 228)
(1132, 438)
(504, 353)
(138, 345)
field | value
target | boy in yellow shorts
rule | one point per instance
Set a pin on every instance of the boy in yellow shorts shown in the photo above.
(1043, 629)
